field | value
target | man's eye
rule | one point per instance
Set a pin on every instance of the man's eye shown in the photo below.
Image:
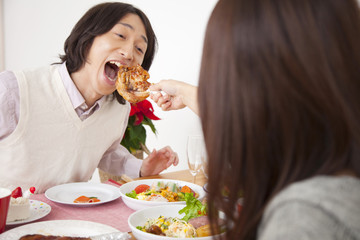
(121, 36)
(140, 50)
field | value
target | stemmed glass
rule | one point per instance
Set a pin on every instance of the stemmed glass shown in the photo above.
(195, 150)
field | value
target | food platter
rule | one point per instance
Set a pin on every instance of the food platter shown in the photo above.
(141, 216)
(75, 228)
(137, 204)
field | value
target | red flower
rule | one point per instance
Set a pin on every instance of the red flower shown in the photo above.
(142, 108)
(141, 114)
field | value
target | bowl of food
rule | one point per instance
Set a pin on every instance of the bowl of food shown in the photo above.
(147, 193)
(170, 222)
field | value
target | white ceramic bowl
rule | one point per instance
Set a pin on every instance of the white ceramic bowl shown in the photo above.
(139, 218)
(136, 204)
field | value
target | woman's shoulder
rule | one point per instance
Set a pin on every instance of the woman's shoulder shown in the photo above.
(321, 190)
(321, 186)
(330, 193)
(314, 206)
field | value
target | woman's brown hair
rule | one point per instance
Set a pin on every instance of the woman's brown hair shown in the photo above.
(96, 21)
(279, 100)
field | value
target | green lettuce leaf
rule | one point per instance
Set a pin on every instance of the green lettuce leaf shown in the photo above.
(131, 194)
(194, 207)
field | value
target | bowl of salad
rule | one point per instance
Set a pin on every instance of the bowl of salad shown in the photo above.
(147, 193)
(175, 221)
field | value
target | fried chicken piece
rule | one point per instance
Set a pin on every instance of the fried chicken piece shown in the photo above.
(43, 237)
(132, 83)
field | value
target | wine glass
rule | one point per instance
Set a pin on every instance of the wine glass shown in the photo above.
(195, 150)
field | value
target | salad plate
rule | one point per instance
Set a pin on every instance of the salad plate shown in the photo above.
(137, 204)
(67, 193)
(140, 217)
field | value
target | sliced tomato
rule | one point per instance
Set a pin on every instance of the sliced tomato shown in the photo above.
(141, 188)
(187, 189)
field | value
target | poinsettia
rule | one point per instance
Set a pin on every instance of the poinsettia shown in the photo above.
(142, 113)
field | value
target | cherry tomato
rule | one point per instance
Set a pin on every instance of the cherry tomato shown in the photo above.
(141, 188)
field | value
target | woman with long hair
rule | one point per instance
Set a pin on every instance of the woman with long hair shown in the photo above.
(279, 103)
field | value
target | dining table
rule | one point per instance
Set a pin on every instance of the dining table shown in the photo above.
(114, 213)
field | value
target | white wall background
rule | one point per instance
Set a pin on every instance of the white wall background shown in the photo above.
(35, 31)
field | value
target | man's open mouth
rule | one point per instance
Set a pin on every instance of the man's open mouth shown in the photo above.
(111, 70)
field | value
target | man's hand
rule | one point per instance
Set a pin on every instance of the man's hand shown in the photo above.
(158, 161)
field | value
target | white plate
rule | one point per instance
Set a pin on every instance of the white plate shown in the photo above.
(137, 204)
(139, 218)
(74, 228)
(38, 210)
(67, 193)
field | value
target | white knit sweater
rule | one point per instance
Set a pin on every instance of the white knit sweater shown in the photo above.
(51, 145)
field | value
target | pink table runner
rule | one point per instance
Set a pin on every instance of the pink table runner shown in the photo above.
(114, 213)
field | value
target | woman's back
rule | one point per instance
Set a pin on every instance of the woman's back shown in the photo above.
(322, 207)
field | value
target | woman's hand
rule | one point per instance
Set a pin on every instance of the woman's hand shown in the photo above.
(176, 95)
(157, 161)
